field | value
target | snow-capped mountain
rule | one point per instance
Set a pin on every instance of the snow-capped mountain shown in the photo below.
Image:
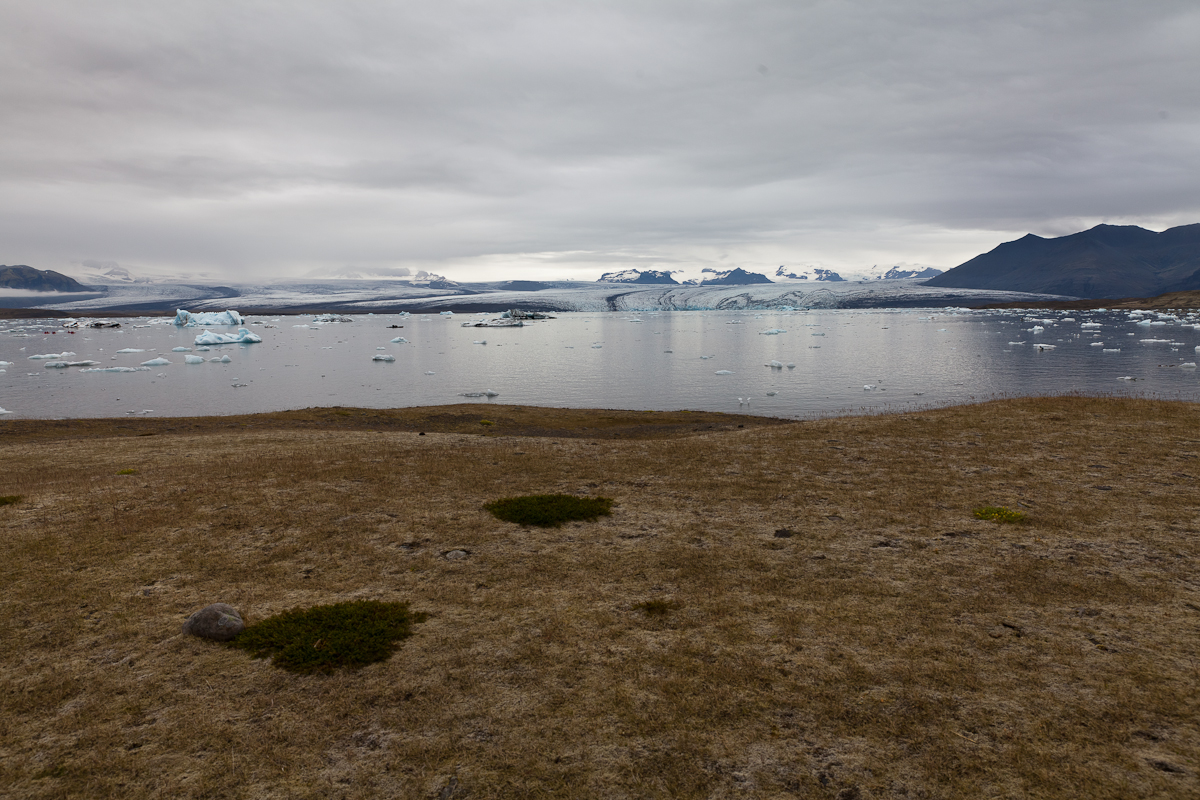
(809, 274)
(638, 276)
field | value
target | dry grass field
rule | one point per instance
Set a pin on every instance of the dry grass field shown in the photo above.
(832, 619)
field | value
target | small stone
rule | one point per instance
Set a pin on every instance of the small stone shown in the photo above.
(219, 621)
(456, 555)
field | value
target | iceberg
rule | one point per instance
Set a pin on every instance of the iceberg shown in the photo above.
(156, 362)
(131, 350)
(321, 319)
(116, 369)
(51, 356)
(181, 349)
(65, 364)
(193, 359)
(399, 340)
(243, 336)
(186, 319)
(383, 357)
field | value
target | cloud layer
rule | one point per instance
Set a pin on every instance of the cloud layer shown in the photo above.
(536, 139)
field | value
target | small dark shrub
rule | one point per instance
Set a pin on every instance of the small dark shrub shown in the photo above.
(657, 608)
(549, 510)
(324, 638)
(127, 472)
(8, 500)
(999, 514)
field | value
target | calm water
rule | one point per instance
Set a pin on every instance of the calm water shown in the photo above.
(662, 361)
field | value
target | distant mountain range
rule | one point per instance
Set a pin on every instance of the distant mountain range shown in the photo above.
(734, 277)
(638, 276)
(1108, 261)
(37, 280)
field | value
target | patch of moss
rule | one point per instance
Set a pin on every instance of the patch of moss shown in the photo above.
(486, 422)
(999, 514)
(549, 510)
(8, 500)
(322, 639)
(127, 472)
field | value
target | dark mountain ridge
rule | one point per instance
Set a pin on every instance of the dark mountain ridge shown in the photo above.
(38, 280)
(1105, 261)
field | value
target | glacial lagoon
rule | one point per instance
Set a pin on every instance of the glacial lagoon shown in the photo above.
(794, 364)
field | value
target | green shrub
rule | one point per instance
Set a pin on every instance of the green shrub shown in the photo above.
(486, 422)
(324, 638)
(999, 514)
(8, 500)
(127, 472)
(549, 510)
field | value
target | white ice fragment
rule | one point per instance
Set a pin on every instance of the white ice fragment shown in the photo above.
(1091, 325)
(1067, 319)
(5, 411)
(326, 318)
(190, 320)
(772, 332)
(1111, 350)
(1042, 347)
(774, 365)
(299, 326)
(772, 394)
(1037, 329)
(65, 364)
(427, 372)
(156, 362)
(181, 349)
(193, 359)
(383, 357)
(791, 366)
(6, 363)
(1015, 343)
(446, 313)
(597, 346)
(1126, 378)
(131, 350)
(723, 372)
(479, 341)
(1097, 344)
(377, 348)
(399, 340)
(117, 369)
(868, 387)
(243, 336)
(51, 356)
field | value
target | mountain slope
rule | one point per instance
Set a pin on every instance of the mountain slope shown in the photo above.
(37, 280)
(1106, 261)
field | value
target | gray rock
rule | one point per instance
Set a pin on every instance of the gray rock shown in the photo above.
(457, 555)
(219, 621)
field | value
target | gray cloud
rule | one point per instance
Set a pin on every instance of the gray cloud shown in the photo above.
(519, 138)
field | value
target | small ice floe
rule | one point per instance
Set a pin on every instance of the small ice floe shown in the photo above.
(1188, 365)
(484, 393)
(195, 320)
(1067, 319)
(1091, 325)
(193, 359)
(427, 372)
(327, 318)
(6, 363)
(735, 322)
(705, 358)
(597, 346)
(1042, 347)
(377, 348)
(1126, 378)
(156, 362)
(299, 326)
(668, 351)
(131, 350)
(243, 336)
(1097, 344)
(774, 365)
(1015, 343)
(772, 332)
(1036, 329)
(50, 356)
(383, 357)
(446, 313)
(479, 341)
(116, 369)
(723, 372)
(5, 411)
(818, 334)
(772, 394)
(399, 340)
(65, 364)
(1111, 350)
(1155, 341)
(181, 349)
(868, 387)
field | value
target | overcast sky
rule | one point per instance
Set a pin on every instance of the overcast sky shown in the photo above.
(563, 139)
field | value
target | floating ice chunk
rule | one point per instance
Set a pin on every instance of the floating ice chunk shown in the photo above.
(131, 350)
(867, 387)
(723, 372)
(1157, 323)
(597, 346)
(156, 362)
(774, 365)
(1126, 378)
(65, 364)
(383, 357)
(484, 393)
(1067, 319)
(427, 372)
(1042, 347)
(243, 336)
(1142, 322)
(116, 369)
(51, 356)
(1015, 343)
(818, 334)
(1111, 350)
(5, 411)
(181, 349)
(399, 340)
(1188, 365)
(1097, 344)
(1155, 341)
(791, 366)
(772, 394)
(446, 313)
(479, 341)
(1037, 329)
(705, 358)
(1091, 325)
(772, 332)
(377, 348)
(299, 326)
(6, 363)
(193, 359)
(195, 320)
(327, 318)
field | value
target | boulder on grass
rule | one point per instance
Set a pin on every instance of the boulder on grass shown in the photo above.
(219, 621)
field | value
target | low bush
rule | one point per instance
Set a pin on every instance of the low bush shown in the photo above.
(127, 472)
(324, 638)
(999, 514)
(657, 608)
(549, 510)
(8, 500)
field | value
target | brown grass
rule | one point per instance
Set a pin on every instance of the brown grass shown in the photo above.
(894, 646)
